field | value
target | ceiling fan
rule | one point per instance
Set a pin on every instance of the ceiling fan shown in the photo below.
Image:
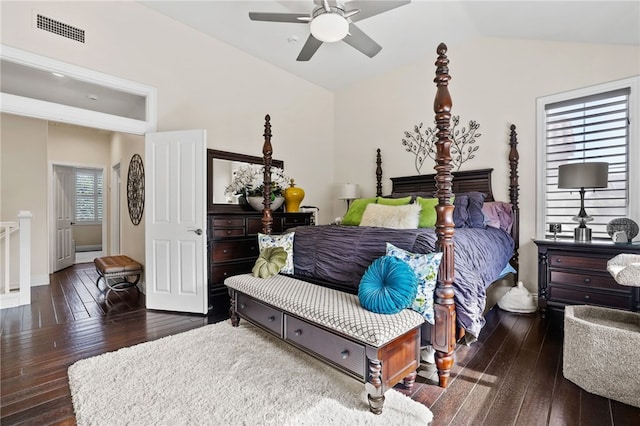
(330, 21)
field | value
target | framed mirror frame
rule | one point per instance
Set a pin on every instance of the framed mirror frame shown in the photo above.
(231, 156)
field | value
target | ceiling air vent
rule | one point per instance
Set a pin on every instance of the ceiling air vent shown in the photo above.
(60, 28)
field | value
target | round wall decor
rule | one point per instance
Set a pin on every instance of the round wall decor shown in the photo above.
(135, 189)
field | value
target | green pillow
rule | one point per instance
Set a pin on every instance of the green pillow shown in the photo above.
(394, 201)
(270, 262)
(428, 216)
(356, 210)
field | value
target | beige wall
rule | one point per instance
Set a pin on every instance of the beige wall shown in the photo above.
(24, 183)
(201, 83)
(495, 82)
(131, 236)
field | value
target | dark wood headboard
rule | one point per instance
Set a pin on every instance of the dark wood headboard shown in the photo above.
(463, 181)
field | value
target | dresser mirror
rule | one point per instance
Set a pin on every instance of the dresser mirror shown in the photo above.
(220, 168)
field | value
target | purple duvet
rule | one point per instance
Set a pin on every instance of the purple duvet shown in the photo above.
(337, 256)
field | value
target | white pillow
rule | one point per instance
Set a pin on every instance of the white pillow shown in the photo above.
(398, 217)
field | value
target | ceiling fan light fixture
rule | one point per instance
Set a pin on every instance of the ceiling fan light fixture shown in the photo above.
(329, 27)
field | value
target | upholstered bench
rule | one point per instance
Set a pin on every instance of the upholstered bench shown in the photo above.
(114, 267)
(379, 350)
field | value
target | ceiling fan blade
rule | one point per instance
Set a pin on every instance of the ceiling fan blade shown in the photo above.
(297, 18)
(312, 44)
(372, 8)
(362, 42)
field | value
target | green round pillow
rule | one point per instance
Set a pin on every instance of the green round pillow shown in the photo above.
(270, 262)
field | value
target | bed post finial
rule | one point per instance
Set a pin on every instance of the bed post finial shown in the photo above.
(267, 152)
(514, 190)
(378, 173)
(444, 330)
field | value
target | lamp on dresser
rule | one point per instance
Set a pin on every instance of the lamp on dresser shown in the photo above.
(581, 176)
(348, 192)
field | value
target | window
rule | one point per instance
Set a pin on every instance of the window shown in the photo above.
(88, 204)
(588, 125)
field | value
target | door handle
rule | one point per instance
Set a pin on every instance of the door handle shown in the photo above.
(197, 231)
(72, 223)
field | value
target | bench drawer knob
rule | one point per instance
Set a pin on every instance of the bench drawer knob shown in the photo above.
(344, 354)
(298, 332)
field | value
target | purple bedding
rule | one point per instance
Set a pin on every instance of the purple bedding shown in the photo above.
(337, 256)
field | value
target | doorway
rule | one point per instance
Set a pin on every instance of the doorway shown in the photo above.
(78, 198)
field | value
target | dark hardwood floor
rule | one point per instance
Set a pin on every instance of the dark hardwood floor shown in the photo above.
(512, 375)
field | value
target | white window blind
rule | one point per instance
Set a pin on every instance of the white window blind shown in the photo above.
(593, 128)
(88, 204)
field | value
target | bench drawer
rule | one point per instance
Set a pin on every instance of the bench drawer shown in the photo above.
(264, 315)
(337, 349)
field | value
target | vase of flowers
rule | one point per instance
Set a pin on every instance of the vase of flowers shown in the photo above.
(248, 182)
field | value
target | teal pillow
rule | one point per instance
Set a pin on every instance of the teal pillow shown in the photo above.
(356, 210)
(426, 267)
(428, 215)
(388, 286)
(394, 201)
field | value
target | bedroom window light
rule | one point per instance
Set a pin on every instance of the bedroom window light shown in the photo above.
(88, 203)
(588, 125)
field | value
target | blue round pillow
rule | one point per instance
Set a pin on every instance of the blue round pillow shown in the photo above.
(388, 286)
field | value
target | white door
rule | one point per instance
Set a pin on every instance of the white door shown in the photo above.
(175, 221)
(64, 196)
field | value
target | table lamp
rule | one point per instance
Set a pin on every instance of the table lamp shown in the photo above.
(581, 176)
(349, 192)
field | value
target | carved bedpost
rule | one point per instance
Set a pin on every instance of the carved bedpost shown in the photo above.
(378, 173)
(514, 189)
(267, 152)
(444, 330)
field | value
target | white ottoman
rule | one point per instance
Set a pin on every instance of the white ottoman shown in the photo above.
(602, 352)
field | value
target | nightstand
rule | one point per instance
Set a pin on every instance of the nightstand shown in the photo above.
(575, 273)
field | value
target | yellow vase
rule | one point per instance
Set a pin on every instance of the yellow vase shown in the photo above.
(293, 197)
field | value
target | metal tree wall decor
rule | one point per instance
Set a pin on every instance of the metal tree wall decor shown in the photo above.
(135, 189)
(423, 143)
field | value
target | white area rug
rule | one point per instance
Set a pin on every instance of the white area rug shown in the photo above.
(221, 375)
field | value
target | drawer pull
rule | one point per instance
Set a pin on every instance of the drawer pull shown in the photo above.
(228, 232)
(344, 354)
(228, 222)
(559, 260)
(271, 318)
(242, 306)
(225, 251)
(587, 297)
(587, 280)
(298, 332)
(252, 248)
(224, 274)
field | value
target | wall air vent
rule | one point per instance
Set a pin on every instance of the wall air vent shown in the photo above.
(59, 28)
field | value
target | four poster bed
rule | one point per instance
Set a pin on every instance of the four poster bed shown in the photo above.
(329, 267)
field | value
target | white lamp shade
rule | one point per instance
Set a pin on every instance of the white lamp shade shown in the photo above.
(349, 191)
(583, 175)
(329, 27)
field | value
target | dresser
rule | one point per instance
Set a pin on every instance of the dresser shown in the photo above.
(232, 246)
(575, 273)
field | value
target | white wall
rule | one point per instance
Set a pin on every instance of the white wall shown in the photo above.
(201, 82)
(495, 82)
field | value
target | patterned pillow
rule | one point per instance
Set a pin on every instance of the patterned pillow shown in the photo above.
(426, 268)
(285, 241)
(270, 262)
(388, 286)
